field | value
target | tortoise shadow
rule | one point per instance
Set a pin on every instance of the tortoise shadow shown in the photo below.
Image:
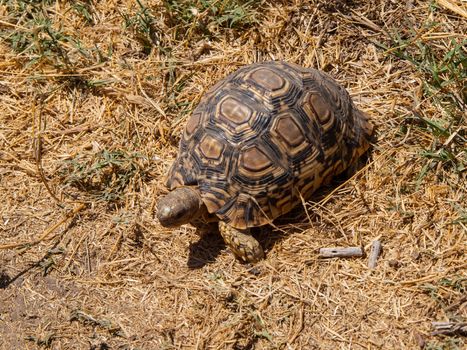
(205, 250)
(209, 246)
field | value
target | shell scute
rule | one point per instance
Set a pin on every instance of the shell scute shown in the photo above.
(211, 148)
(267, 79)
(234, 111)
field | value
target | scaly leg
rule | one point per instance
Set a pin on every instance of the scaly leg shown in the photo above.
(242, 244)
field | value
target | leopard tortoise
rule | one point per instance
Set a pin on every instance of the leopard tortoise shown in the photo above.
(260, 141)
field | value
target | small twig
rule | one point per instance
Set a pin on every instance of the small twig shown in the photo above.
(374, 254)
(150, 100)
(449, 328)
(85, 318)
(300, 325)
(75, 248)
(75, 130)
(358, 17)
(347, 252)
(457, 304)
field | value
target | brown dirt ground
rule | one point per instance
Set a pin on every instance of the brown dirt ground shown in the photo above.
(81, 122)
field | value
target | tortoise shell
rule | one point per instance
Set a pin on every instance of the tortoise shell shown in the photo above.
(266, 137)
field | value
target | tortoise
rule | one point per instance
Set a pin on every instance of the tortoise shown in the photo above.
(260, 142)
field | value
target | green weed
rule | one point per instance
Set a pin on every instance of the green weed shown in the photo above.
(457, 284)
(462, 216)
(442, 65)
(261, 331)
(37, 39)
(447, 343)
(104, 176)
(85, 10)
(444, 290)
(444, 71)
(191, 20)
(206, 17)
(143, 26)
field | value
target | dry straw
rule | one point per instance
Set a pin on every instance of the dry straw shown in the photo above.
(93, 98)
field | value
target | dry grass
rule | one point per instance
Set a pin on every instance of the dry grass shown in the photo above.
(93, 97)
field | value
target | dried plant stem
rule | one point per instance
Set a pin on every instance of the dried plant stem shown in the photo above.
(38, 153)
(450, 5)
(75, 248)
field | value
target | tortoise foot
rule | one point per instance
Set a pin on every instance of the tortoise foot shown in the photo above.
(242, 244)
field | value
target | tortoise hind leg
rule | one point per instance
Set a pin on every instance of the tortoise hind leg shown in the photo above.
(242, 244)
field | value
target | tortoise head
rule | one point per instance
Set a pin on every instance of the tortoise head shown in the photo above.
(179, 207)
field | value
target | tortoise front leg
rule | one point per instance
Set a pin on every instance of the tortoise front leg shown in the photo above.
(242, 243)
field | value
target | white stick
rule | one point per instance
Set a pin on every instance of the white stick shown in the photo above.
(374, 254)
(347, 252)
